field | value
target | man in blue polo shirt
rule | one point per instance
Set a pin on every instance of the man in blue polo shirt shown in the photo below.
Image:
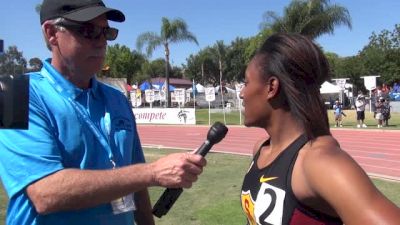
(80, 161)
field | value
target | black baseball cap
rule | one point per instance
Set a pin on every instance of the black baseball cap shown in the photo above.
(78, 10)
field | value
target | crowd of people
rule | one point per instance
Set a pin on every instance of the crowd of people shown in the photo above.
(380, 106)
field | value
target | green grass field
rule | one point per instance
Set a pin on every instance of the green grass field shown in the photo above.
(349, 121)
(3, 205)
(214, 199)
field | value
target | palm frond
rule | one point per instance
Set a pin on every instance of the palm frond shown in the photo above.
(165, 28)
(308, 17)
(326, 21)
(151, 40)
(176, 31)
(269, 19)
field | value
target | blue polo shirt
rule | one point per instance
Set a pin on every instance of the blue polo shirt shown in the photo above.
(58, 138)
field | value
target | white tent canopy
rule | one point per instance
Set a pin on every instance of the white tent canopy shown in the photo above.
(328, 88)
(199, 88)
(229, 90)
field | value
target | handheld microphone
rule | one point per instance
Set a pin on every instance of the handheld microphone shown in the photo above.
(216, 133)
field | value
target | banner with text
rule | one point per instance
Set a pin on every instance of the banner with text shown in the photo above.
(164, 115)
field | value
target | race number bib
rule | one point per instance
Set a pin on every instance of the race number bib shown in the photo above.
(268, 208)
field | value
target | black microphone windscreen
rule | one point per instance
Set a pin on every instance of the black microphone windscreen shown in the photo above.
(217, 132)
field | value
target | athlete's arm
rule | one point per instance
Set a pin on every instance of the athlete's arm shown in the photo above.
(335, 177)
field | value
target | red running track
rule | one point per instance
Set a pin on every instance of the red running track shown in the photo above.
(377, 151)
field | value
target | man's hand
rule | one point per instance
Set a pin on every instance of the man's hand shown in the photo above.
(177, 170)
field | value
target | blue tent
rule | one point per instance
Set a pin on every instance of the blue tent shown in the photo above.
(161, 85)
(394, 96)
(145, 85)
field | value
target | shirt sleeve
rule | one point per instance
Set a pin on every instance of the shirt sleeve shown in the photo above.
(28, 155)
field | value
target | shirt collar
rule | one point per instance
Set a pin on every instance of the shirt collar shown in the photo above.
(65, 84)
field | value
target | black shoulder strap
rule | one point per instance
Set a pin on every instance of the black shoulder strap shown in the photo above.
(265, 143)
(292, 152)
(293, 149)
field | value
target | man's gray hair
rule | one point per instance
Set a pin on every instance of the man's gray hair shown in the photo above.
(53, 21)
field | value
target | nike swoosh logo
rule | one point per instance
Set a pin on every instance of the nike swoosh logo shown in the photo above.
(266, 179)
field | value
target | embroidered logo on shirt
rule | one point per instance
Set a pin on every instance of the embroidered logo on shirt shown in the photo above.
(266, 179)
(121, 123)
(248, 207)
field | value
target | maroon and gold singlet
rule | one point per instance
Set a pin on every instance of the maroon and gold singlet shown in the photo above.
(267, 196)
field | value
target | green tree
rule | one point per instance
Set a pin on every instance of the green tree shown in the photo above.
(373, 59)
(391, 67)
(209, 63)
(172, 31)
(209, 67)
(12, 62)
(154, 68)
(121, 62)
(353, 68)
(237, 60)
(382, 55)
(177, 72)
(35, 64)
(38, 7)
(311, 18)
(334, 61)
(255, 43)
(219, 52)
(203, 67)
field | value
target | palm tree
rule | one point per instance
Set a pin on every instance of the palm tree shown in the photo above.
(311, 18)
(37, 8)
(220, 51)
(172, 31)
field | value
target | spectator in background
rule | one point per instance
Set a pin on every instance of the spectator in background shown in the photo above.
(378, 91)
(385, 112)
(379, 110)
(360, 108)
(385, 91)
(373, 99)
(338, 112)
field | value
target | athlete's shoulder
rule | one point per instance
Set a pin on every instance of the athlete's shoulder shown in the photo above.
(322, 154)
(323, 145)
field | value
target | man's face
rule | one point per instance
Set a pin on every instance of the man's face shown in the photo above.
(79, 53)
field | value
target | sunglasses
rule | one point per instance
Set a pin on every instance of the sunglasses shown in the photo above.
(90, 31)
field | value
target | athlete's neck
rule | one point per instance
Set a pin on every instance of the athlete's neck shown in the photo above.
(283, 130)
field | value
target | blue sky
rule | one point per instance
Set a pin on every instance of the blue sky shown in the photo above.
(209, 20)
